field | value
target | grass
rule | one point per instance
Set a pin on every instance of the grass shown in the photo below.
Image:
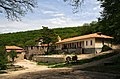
(79, 62)
(45, 63)
(112, 68)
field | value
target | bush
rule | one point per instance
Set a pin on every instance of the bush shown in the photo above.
(74, 58)
(106, 48)
(68, 59)
(3, 58)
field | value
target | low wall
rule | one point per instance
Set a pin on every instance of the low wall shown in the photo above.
(62, 58)
(49, 59)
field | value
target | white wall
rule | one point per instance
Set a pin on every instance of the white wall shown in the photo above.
(98, 44)
(89, 43)
(59, 46)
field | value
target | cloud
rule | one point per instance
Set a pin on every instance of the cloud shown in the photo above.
(48, 12)
(59, 21)
(53, 14)
(59, 14)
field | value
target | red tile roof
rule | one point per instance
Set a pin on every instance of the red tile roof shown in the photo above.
(13, 47)
(16, 48)
(44, 44)
(94, 35)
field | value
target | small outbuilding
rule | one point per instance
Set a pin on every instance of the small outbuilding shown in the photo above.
(20, 52)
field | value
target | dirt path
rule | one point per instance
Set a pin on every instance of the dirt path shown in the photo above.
(29, 67)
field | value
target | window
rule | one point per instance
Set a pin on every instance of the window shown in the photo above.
(91, 42)
(86, 43)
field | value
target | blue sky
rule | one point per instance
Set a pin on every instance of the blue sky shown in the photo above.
(53, 14)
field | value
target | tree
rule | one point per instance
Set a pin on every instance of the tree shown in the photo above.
(3, 58)
(48, 36)
(30, 43)
(109, 20)
(14, 9)
(12, 54)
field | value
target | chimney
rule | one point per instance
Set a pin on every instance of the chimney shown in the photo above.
(99, 33)
(59, 39)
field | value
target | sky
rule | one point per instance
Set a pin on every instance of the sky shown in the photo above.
(53, 14)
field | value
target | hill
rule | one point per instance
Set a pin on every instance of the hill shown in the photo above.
(28, 37)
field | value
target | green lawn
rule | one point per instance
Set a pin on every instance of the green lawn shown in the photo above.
(79, 62)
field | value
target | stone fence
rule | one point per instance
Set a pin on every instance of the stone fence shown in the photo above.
(49, 58)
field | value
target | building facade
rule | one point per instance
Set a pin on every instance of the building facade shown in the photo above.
(20, 52)
(39, 49)
(34, 50)
(91, 43)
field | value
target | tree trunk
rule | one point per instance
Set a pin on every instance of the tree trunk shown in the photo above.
(48, 49)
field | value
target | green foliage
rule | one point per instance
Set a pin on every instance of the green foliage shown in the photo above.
(12, 54)
(3, 58)
(20, 38)
(74, 58)
(45, 63)
(48, 37)
(109, 22)
(30, 43)
(106, 48)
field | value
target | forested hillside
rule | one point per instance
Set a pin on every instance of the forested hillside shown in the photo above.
(28, 38)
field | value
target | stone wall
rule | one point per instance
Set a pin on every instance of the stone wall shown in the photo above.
(49, 59)
(34, 50)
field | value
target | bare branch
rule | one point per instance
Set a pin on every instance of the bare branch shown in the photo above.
(76, 4)
(15, 9)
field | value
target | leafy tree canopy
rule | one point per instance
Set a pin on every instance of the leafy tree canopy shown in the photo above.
(12, 54)
(109, 21)
(3, 58)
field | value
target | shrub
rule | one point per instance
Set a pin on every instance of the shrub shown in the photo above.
(68, 59)
(74, 58)
(3, 58)
(106, 48)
